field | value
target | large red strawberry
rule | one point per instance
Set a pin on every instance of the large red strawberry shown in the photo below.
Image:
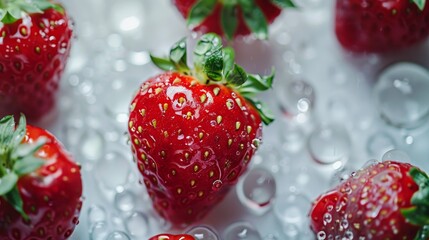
(232, 17)
(40, 186)
(34, 46)
(388, 200)
(194, 131)
(381, 26)
(172, 237)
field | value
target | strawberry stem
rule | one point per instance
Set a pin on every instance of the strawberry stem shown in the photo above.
(16, 159)
(214, 64)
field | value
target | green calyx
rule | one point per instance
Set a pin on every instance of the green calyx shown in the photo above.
(16, 159)
(420, 3)
(215, 64)
(251, 12)
(12, 10)
(418, 214)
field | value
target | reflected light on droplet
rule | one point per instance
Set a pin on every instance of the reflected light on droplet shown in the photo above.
(129, 23)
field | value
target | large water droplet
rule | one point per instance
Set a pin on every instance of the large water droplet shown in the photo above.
(256, 190)
(401, 95)
(99, 231)
(137, 224)
(241, 230)
(379, 143)
(296, 98)
(330, 145)
(396, 155)
(96, 214)
(113, 171)
(203, 233)
(125, 200)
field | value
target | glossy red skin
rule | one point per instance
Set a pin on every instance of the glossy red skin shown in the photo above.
(51, 218)
(213, 22)
(30, 80)
(183, 136)
(376, 29)
(172, 237)
(370, 188)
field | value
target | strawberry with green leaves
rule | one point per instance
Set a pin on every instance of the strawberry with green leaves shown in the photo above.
(172, 237)
(232, 18)
(388, 200)
(35, 38)
(194, 131)
(381, 26)
(40, 186)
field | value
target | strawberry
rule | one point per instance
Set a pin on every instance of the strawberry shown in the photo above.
(40, 186)
(232, 17)
(381, 26)
(388, 200)
(194, 131)
(172, 237)
(34, 47)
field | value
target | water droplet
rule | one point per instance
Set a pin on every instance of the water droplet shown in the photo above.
(330, 145)
(340, 176)
(217, 185)
(255, 143)
(137, 224)
(125, 201)
(321, 235)
(344, 223)
(348, 235)
(99, 231)
(96, 214)
(327, 218)
(241, 230)
(92, 144)
(203, 233)
(396, 155)
(409, 140)
(296, 98)
(401, 95)
(379, 143)
(113, 171)
(256, 190)
(118, 235)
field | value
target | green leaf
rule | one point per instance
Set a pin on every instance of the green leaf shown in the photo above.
(256, 84)
(200, 11)
(8, 18)
(254, 18)
(164, 64)
(206, 44)
(29, 8)
(178, 55)
(7, 183)
(228, 60)
(27, 165)
(19, 132)
(14, 198)
(418, 213)
(284, 3)
(208, 56)
(213, 64)
(420, 3)
(237, 76)
(265, 113)
(229, 20)
(7, 128)
(29, 149)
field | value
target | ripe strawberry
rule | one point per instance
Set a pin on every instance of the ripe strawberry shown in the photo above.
(172, 237)
(34, 47)
(388, 200)
(40, 186)
(193, 132)
(231, 17)
(381, 26)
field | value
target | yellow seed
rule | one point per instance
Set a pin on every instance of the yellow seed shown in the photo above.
(140, 129)
(196, 168)
(186, 155)
(188, 115)
(238, 101)
(130, 124)
(192, 183)
(179, 190)
(182, 100)
(249, 129)
(176, 80)
(162, 153)
(24, 31)
(193, 83)
(165, 134)
(158, 90)
(228, 104)
(229, 142)
(211, 174)
(173, 172)
(219, 119)
(136, 141)
(203, 98)
(241, 146)
(154, 123)
(200, 193)
(237, 125)
(206, 154)
(216, 91)
(143, 156)
(142, 112)
(201, 135)
(37, 50)
(165, 106)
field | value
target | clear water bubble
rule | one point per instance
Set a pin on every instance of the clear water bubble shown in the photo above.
(296, 98)
(330, 145)
(379, 143)
(396, 155)
(99, 231)
(97, 213)
(241, 230)
(217, 185)
(118, 235)
(92, 144)
(137, 224)
(256, 190)
(370, 163)
(203, 233)
(401, 95)
(125, 201)
(291, 209)
(340, 176)
(113, 171)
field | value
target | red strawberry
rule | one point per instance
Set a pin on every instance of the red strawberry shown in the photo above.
(231, 17)
(388, 200)
(172, 237)
(34, 47)
(381, 26)
(193, 132)
(40, 186)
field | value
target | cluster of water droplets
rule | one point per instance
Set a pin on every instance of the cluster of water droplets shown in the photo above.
(329, 120)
